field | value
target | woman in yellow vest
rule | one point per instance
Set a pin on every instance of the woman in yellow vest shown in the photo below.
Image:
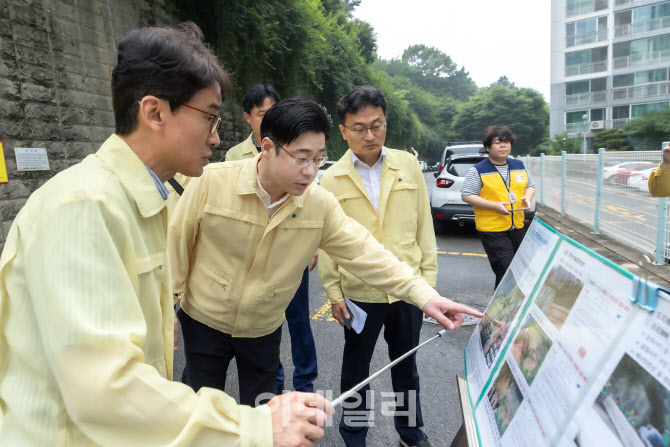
(499, 189)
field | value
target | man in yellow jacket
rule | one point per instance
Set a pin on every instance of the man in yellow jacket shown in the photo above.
(659, 180)
(384, 190)
(86, 312)
(239, 241)
(255, 103)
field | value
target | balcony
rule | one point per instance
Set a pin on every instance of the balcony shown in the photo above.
(583, 39)
(581, 69)
(572, 128)
(585, 98)
(621, 2)
(642, 91)
(619, 123)
(642, 27)
(654, 57)
(585, 7)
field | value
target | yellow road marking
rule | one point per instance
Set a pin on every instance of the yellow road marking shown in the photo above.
(323, 313)
(456, 253)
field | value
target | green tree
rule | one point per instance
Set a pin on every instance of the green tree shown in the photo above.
(648, 132)
(612, 140)
(503, 81)
(561, 142)
(523, 110)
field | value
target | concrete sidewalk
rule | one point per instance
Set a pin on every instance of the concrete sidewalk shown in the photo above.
(627, 257)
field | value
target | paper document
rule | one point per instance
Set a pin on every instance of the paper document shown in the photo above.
(357, 314)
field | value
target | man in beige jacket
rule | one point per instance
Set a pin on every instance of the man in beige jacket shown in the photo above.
(86, 313)
(240, 238)
(255, 103)
(384, 190)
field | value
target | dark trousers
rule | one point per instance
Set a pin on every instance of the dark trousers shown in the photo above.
(303, 350)
(500, 248)
(208, 353)
(402, 327)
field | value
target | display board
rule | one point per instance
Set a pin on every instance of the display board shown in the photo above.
(573, 351)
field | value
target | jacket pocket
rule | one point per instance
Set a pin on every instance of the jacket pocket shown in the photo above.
(407, 250)
(215, 275)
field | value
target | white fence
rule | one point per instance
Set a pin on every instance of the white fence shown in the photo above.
(612, 198)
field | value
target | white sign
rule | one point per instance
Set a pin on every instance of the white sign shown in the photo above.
(31, 159)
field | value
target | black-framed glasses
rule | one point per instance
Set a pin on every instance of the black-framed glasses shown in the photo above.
(302, 162)
(360, 131)
(216, 119)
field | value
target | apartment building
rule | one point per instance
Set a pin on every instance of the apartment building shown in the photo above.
(609, 64)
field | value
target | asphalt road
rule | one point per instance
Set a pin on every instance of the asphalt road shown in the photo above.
(465, 276)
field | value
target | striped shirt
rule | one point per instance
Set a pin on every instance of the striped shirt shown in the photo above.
(472, 184)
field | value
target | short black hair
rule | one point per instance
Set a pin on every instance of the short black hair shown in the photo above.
(501, 132)
(255, 96)
(291, 117)
(172, 63)
(359, 97)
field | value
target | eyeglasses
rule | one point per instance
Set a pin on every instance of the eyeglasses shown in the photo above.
(216, 119)
(361, 131)
(302, 162)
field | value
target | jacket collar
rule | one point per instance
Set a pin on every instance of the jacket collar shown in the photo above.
(345, 166)
(132, 174)
(247, 182)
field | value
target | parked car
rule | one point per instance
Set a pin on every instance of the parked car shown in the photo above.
(609, 172)
(471, 148)
(322, 169)
(446, 204)
(640, 180)
(622, 175)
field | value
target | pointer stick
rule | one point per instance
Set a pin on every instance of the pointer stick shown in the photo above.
(349, 393)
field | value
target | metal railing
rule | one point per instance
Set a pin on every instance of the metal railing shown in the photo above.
(641, 91)
(585, 98)
(586, 38)
(611, 199)
(585, 7)
(577, 127)
(654, 57)
(630, 29)
(580, 69)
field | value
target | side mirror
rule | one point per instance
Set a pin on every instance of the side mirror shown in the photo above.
(436, 174)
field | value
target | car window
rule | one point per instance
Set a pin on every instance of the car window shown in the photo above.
(460, 168)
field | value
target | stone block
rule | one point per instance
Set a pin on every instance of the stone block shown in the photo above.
(37, 111)
(30, 13)
(83, 82)
(33, 54)
(34, 92)
(55, 149)
(41, 130)
(79, 151)
(10, 208)
(72, 98)
(72, 115)
(30, 34)
(10, 128)
(17, 189)
(9, 89)
(42, 74)
(11, 110)
(102, 118)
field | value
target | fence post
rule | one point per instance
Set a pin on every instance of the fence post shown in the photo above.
(599, 189)
(660, 230)
(542, 178)
(564, 155)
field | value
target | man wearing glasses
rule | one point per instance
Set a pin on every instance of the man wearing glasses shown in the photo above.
(86, 311)
(256, 102)
(240, 238)
(384, 190)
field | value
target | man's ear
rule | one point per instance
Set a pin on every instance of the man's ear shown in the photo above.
(152, 112)
(344, 136)
(247, 117)
(268, 148)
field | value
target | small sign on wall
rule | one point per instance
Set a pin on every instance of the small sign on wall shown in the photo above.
(31, 159)
(3, 165)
